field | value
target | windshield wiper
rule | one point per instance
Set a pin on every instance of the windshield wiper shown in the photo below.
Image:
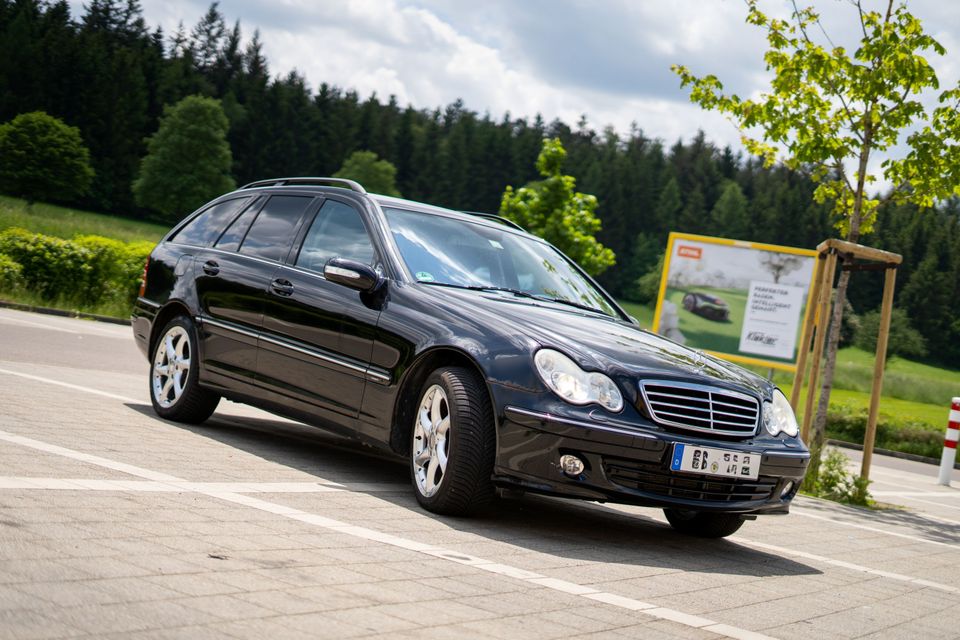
(520, 293)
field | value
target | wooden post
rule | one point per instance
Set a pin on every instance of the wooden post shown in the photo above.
(824, 315)
(813, 309)
(878, 367)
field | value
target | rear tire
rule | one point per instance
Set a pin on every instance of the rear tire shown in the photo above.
(704, 525)
(174, 372)
(452, 443)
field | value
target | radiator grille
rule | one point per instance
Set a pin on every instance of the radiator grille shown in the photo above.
(701, 408)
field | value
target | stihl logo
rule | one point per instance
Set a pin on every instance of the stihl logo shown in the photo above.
(689, 252)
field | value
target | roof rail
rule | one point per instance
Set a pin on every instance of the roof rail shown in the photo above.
(333, 182)
(494, 217)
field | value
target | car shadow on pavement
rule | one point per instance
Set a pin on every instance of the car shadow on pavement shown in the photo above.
(565, 529)
(931, 528)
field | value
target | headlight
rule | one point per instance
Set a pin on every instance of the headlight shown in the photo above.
(778, 416)
(575, 385)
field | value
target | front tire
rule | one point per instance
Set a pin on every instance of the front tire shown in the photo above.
(174, 372)
(704, 525)
(452, 443)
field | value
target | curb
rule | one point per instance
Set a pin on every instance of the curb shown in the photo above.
(893, 454)
(4, 304)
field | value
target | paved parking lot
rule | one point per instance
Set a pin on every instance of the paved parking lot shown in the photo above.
(114, 523)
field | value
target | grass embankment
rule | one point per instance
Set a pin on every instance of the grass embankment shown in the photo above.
(64, 222)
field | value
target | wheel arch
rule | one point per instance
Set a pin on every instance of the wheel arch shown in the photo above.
(167, 313)
(410, 383)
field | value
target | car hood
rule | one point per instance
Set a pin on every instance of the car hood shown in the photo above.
(598, 342)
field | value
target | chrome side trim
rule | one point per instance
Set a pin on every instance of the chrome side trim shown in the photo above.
(369, 373)
(787, 454)
(229, 327)
(546, 417)
(149, 303)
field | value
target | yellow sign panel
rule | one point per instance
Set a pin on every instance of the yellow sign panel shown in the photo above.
(743, 301)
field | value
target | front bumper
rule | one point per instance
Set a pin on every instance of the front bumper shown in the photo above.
(630, 465)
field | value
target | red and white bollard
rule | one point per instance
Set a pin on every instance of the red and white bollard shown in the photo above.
(950, 443)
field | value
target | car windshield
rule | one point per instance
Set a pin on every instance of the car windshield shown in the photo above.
(452, 252)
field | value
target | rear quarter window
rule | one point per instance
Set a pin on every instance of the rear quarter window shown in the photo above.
(205, 228)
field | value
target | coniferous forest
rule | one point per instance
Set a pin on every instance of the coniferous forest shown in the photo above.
(110, 74)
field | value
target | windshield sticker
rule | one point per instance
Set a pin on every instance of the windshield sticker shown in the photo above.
(425, 276)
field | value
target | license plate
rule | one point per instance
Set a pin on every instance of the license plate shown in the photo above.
(715, 462)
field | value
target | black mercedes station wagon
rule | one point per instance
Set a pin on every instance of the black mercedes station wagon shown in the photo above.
(477, 351)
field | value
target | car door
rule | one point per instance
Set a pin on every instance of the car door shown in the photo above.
(317, 335)
(232, 278)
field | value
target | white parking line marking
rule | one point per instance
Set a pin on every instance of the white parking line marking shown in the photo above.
(916, 494)
(843, 564)
(515, 573)
(85, 484)
(90, 328)
(843, 523)
(75, 387)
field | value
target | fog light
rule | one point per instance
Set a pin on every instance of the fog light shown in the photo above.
(571, 465)
(787, 488)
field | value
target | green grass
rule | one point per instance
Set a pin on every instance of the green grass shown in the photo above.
(713, 335)
(113, 309)
(64, 222)
(643, 313)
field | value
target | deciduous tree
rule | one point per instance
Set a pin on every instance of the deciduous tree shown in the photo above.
(376, 175)
(188, 159)
(553, 210)
(41, 158)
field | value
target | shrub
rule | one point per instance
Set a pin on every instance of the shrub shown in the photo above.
(51, 267)
(836, 482)
(903, 339)
(88, 271)
(11, 273)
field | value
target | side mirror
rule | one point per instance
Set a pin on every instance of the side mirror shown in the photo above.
(352, 274)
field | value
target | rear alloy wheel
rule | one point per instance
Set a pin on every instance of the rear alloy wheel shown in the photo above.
(704, 525)
(452, 446)
(174, 390)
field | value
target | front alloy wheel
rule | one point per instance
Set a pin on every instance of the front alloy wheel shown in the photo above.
(452, 443)
(174, 390)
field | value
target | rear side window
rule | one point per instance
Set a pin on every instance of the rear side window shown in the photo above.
(272, 232)
(233, 236)
(206, 227)
(337, 231)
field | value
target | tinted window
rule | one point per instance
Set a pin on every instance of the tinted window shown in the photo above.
(272, 232)
(233, 236)
(204, 229)
(337, 231)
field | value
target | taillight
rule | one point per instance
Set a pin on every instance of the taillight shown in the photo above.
(143, 278)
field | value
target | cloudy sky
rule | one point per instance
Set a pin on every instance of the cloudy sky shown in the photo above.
(608, 59)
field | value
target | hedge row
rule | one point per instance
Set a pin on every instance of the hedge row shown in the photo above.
(905, 436)
(88, 271)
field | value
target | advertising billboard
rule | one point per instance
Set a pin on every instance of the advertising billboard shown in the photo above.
(743, 301)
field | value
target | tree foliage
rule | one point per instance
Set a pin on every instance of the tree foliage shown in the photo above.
(41, 158)
(553, 210)
(903, 339)
(188, 159)
(376, 176)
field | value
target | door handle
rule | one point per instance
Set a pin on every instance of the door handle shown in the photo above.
(211, 268)
(282, 287)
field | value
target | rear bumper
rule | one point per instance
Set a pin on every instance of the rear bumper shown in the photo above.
(141, 320)
(632, 465)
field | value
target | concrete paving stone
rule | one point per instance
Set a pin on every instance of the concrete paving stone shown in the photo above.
(141, 546)
(25, 624)
(529, 626)
(437, 612)
(367, 619)
(662, 630)
(197, 632)
(165, 564)
(672, 583)
(261, 628)
(280, 602)
(130, 616)
(134, 589)
(24, 549)
(68, 594)
(193, 584)
(250, 580)
(13, 598)
(394, 592)
(39, 570)
(520, 602)
(311, 576)
(226, 607)
(384, 571)
(329, 598)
